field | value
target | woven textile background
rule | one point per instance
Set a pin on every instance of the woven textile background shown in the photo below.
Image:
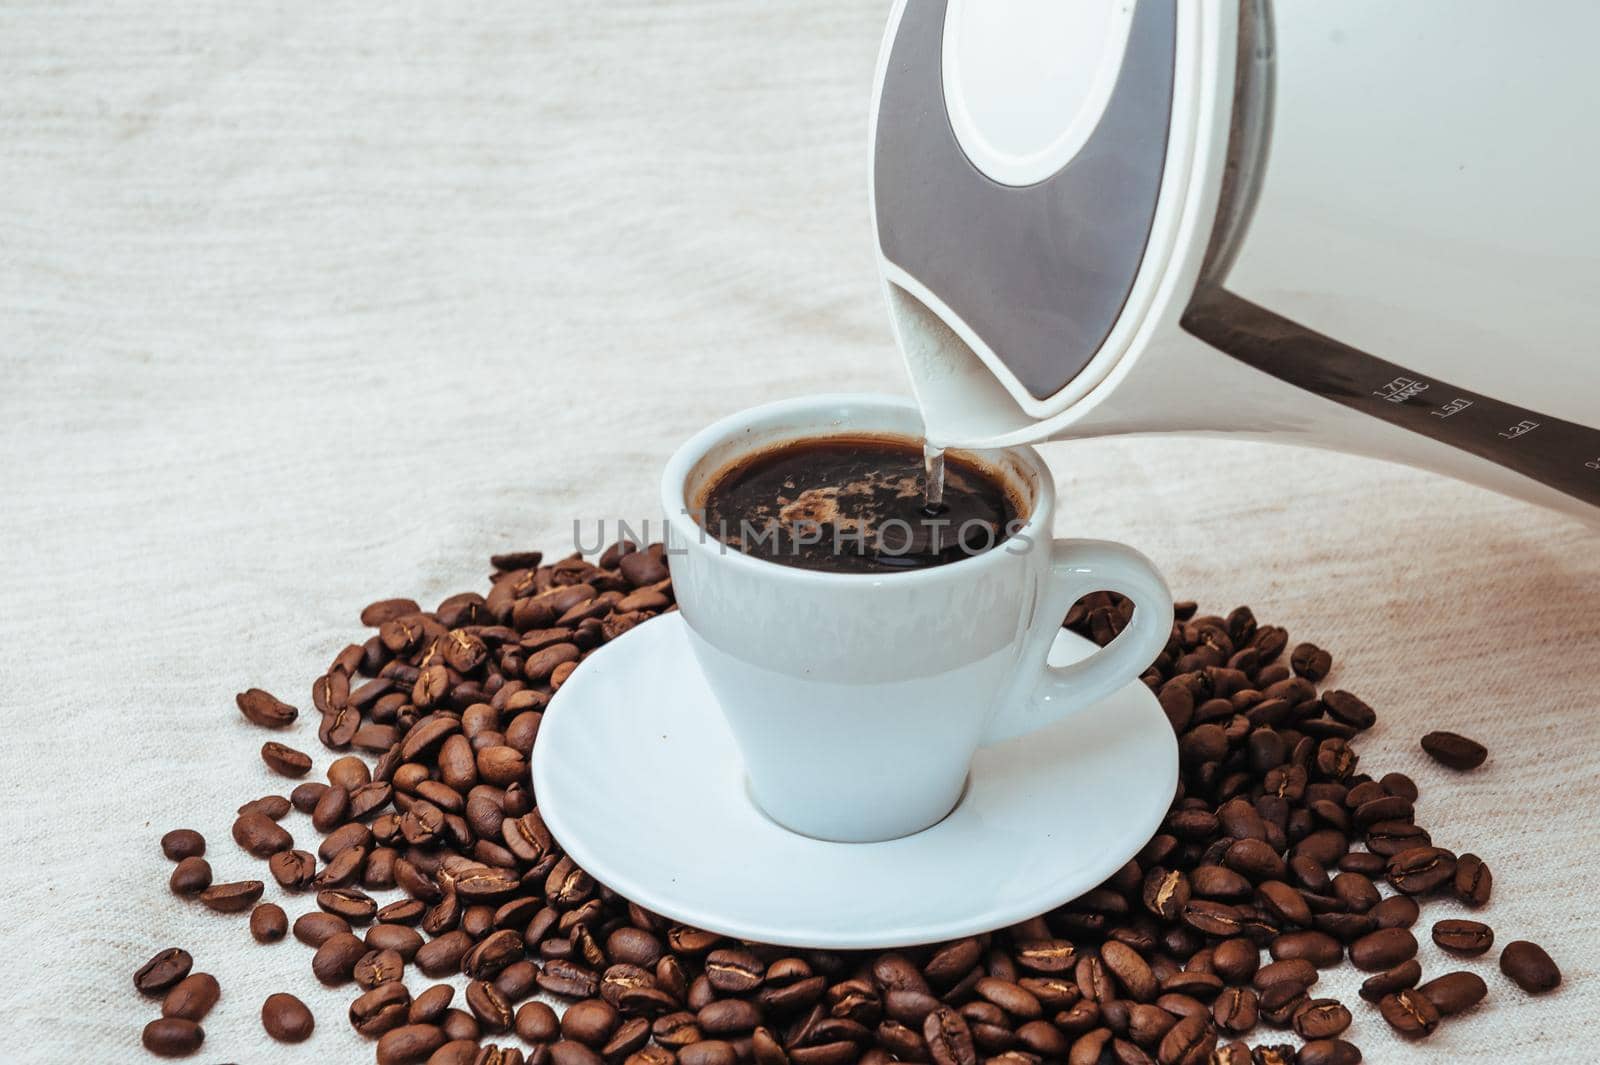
(305, 304)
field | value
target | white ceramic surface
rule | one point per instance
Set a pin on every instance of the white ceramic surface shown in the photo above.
(640, 780)
(858, 700)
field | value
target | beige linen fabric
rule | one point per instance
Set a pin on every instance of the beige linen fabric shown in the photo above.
(304, 304)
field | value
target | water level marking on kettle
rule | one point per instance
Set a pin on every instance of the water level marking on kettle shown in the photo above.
(1558, 453)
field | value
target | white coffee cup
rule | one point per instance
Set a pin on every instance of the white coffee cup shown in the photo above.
(858, 699)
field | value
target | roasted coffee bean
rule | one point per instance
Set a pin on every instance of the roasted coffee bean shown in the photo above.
(384, 610)
(190, 876)
(1473, 883)
(354, 906)
(268, 923)
(1279, 1002)
(568, 979)
(623, 977)
(1410, 1013)
(536, 1022)
(339, 725)
(1318, 948)
(490, 1007)
(837, 1052)
(728, 1016)
(163, 970)
(459, 1024)
(1049, 956)
(1236, 960)
(409, 1044)
(396, 937)
(316, 928)
(1327, 1052)
(1235, 1010)
(383, 1008)
(1383, 949)
(1383, 809)
(343, 870)
(293, 870)
(1289, 970)
(1386, 839)
(1421, 869)
(172, 1037)
(493, 954)
(567, 885)
(1397, 911)
(634, 1033)
(335, 960)
(285, 760)
(1284, 903)
(378, 967)
(1402, 976)
(1345, 927)
(442, 955)
(1469, 938)
(286, 1018)
(1131, 971)
(275, 807)
(1090, 1048)
(1193, 983)
(183, 843)
(635, 946)
(1455, 751)
(1356, 892)
(1455, 993)
(948, 1038)
(1215, 882)
(192, 997)
(1189, 1042)
(1010, 997)
(401, 911)
(1349, 710)
(734, 972)
(1310, 661)
(264, 709)
(1321, 1018)
(891, 1036)
(1529, 967)
(1399, 784)
(1166, 892)
(1212, 918)
(705, 1052)
(590, 1021)
(430, 1006)
(261, 836)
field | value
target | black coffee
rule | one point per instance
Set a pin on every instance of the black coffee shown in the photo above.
(856, 504)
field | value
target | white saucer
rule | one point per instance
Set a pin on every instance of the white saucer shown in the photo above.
(639, 779)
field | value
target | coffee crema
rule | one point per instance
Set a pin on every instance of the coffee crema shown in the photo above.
(856, 504)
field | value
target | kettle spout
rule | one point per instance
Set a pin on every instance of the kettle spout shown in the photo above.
(963, 404)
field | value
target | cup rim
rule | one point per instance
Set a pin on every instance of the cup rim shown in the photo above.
(675, 475)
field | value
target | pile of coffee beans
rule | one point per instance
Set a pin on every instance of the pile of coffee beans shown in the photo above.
(1279, 858)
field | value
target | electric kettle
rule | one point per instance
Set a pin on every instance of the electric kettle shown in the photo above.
(1361, 225)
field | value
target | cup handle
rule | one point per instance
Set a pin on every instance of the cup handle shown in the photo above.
(1078, 567)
